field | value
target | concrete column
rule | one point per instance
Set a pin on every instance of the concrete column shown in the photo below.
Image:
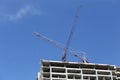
(96, 74)
(111, 75)
(74, 77)
(66, 73)
(81, 74)
(103, 78)
(88, 77)
(50, 72)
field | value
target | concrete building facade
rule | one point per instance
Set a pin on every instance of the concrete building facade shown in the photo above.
(58, 70)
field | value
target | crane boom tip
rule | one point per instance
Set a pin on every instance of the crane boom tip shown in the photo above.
(37, 34)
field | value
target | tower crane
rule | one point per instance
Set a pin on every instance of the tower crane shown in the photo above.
(71, 34)
(56, 44)
(65, 48)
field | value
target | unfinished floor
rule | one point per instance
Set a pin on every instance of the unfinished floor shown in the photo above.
(58, 70)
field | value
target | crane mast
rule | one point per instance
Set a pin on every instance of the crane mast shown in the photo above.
(71, 35)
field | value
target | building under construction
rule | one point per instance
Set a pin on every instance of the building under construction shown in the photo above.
(58, 70)
(63, 70)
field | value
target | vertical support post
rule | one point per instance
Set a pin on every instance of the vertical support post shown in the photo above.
(73, 77)
(88, 77)
(111, 75)
(96, 74)
(103, 78)
(66, 72)
(50, 72)
(81, 74)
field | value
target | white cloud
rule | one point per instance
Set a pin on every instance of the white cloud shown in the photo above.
(21, 13)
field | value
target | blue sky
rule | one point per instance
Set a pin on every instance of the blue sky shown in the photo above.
(97, 33)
